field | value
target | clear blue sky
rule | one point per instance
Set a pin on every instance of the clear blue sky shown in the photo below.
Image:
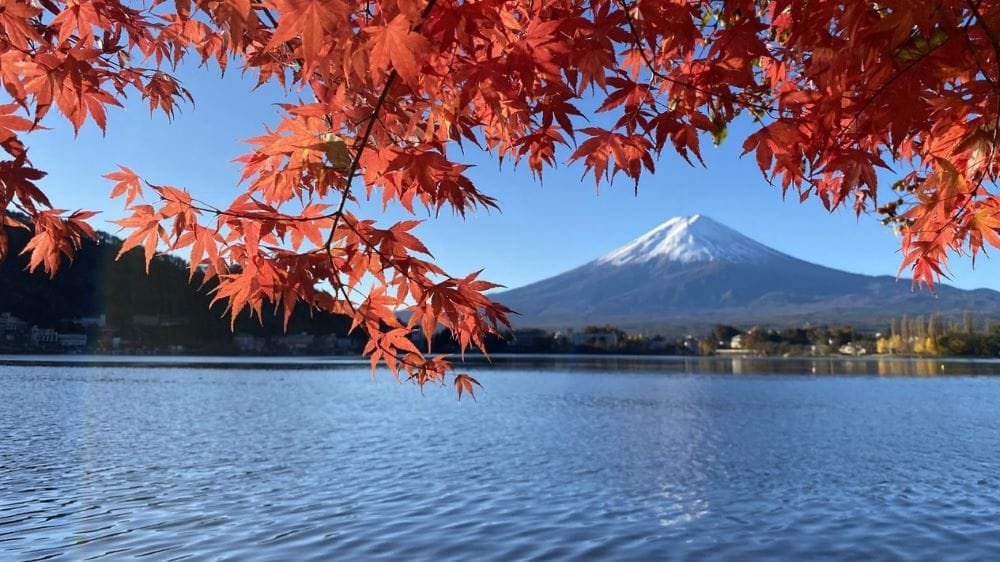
(542, 229)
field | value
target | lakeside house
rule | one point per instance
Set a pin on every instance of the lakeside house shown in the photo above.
(11, 323)
(850, 348)
(18, 333)
(43, 336)
(72, 341)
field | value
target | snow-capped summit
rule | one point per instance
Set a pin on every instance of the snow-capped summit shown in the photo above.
(690, 239)
(691, 273)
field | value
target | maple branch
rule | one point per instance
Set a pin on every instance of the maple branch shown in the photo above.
(975, 55)
(995, 41)
(355, 162)
(360, 147)
(970, 197)
(269, 15)
(974, 7)
(827, 144)
(640, 44)
(346, 193)
(885, 85)
(212, 209)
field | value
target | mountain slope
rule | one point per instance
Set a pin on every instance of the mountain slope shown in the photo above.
(692, 271)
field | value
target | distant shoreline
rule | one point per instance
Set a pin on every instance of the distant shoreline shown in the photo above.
(498, 360)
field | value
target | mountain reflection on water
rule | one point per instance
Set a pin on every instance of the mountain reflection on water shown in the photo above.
(559, 459)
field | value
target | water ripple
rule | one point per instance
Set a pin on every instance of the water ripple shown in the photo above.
(110, 462)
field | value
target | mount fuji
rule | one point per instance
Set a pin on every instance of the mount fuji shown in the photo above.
(692, 272)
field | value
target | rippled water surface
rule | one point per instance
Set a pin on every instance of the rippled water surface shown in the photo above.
(564, 461)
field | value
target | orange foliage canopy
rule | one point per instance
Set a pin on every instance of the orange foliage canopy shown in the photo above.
(837, 90)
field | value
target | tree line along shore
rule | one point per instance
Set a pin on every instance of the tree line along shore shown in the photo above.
(100, 305)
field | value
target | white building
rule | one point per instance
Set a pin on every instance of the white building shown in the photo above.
(40, 336)
(11, 323)
(851, 349)
(73, 341)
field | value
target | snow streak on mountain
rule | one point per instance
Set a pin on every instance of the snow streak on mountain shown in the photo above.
(691, 239)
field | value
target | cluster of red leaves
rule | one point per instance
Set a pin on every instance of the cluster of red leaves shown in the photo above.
(838, 90)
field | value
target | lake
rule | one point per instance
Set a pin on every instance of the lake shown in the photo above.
(568, 458)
